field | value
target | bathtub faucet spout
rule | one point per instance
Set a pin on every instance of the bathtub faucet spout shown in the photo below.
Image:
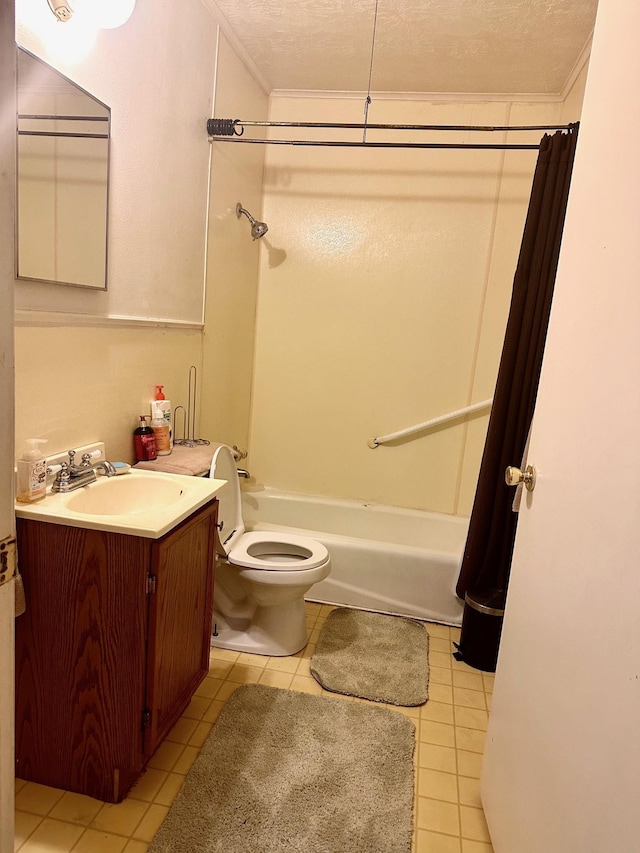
(243, 473)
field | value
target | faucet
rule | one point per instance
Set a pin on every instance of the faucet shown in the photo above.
(72, 476)
(243, 473)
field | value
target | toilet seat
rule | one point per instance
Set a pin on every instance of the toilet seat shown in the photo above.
(283, 552)
(264, 550)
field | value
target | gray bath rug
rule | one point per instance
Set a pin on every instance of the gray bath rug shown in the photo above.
(377, 657)
(283, 772)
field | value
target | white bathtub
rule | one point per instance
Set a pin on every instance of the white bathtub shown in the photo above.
(383, 558)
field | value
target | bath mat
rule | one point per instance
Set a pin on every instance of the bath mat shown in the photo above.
(373, 656)
(283, 771)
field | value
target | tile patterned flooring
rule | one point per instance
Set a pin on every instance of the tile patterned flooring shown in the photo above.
(450, 731)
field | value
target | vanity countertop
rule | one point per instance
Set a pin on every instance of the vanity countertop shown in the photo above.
(139, 503)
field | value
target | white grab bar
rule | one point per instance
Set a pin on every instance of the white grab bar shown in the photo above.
(452, 416)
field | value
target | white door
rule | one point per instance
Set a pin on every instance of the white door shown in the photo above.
(561, 771)
(7, 160)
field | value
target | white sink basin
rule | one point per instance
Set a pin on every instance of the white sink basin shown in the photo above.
(140, 503)
(123, 495)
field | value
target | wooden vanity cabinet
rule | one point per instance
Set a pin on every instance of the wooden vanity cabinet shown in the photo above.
(114, 642)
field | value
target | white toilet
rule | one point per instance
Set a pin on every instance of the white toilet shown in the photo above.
(261, 577)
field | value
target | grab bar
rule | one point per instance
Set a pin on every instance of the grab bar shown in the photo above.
(452, 416)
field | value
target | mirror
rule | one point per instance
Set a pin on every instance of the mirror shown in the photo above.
(62, 178)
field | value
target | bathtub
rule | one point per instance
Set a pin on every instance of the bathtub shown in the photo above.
(383, 558)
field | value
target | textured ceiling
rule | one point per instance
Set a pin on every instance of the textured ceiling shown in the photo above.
(473, 46)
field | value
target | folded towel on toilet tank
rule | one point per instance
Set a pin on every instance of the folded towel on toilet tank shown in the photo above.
(193, 461)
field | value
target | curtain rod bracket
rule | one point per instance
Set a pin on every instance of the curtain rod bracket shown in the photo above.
(224, 127)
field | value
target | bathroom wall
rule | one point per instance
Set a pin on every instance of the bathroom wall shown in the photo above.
(76, 384)
(232, 259)
(159, 156)
(87, 361)
(572, 104)
(385, 278)
(390, 304)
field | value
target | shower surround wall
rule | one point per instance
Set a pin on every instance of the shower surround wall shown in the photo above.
(390, 304)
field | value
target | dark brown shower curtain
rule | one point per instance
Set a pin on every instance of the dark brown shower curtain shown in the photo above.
(487, 556)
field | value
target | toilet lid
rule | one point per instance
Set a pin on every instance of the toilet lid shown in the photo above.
(230, 523)
(283, 552)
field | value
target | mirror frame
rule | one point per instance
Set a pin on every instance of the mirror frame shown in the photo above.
(103, 287)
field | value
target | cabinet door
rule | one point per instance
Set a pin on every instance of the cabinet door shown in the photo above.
(180, 616)
(80, 658)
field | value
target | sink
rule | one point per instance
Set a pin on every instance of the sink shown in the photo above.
(123, 495)
(139, 503)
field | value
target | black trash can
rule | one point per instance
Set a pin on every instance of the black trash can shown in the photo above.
(481, 628)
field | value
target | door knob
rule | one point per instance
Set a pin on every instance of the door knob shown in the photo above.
(514, 476)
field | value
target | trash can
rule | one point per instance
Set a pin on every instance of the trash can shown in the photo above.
(481, 628)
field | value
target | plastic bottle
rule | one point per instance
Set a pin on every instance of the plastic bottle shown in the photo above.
(161, 407)
(162, 435)
(32, 473)
(144, 441)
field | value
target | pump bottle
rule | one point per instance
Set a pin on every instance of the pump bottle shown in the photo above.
(32, 473)
(161, 433)
(161, 408)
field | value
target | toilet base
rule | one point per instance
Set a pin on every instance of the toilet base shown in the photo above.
(277, 631)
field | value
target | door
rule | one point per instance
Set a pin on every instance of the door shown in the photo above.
(7, 183)
(180, 616)
(561, 772)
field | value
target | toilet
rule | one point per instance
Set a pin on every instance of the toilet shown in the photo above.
(261, 577)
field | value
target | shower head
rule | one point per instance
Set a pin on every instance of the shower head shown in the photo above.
(258, 229)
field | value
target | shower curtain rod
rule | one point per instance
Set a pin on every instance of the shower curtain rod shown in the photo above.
(495, 146)
(226, 127)
(226, 130)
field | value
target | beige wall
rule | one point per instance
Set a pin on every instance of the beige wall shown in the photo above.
(384, 279)
(232, 260)
(572, 104)
(87, 362)
(159, 158)
(78, 384)
(390, 305)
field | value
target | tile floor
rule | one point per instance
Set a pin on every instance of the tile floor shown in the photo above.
(450, 733)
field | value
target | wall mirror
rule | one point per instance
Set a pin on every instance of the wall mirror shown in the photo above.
(62, 178)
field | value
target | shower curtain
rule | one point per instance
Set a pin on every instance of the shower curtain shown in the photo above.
(486, 560)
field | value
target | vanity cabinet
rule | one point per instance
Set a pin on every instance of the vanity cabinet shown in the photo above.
(114, 642)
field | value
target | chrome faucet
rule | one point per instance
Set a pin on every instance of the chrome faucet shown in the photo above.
(72, 476)
(243, 473)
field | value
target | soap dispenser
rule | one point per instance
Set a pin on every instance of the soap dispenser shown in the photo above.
(162, 434)
(32, 473)
(161, 408)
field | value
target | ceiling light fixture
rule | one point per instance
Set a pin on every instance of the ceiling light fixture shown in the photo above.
(104, 14)
(63, 11)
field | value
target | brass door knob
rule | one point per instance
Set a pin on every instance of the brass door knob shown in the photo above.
(514, 476)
